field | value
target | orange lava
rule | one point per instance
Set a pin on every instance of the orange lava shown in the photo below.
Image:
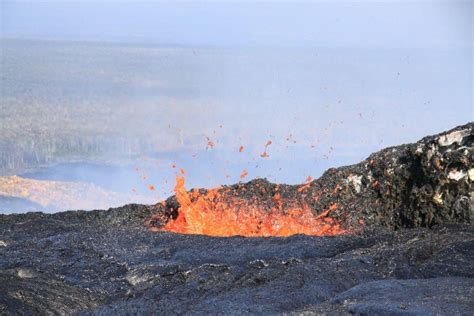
(306, 185)
(210, 143)
(216, 213)
(265, 154)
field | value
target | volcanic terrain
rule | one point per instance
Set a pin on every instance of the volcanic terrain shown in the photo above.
(390, 235)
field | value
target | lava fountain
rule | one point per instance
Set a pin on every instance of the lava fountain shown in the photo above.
(218, 212)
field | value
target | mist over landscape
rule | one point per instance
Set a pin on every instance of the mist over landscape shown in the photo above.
(113, 103)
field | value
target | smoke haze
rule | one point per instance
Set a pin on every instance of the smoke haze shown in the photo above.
(123, 94)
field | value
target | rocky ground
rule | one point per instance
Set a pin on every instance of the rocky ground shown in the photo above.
(411, 249)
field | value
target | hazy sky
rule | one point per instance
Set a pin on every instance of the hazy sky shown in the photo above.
(392, 24)
(391, 72)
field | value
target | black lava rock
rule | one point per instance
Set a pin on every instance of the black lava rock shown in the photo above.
(414, 254)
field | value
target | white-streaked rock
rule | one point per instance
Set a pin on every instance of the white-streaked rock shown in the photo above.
(25, 274)
(471, 174)
(456, 174)
(356, 181)
(453, 137)
(438, 198)
(136, 277)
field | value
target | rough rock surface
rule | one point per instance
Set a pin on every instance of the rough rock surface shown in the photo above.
(414, 254)
(414, 185)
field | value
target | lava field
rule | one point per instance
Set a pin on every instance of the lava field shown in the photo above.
(390, 235)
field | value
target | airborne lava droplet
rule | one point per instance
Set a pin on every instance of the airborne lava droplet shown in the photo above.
(265, 154)
(210, 143)
(244, 174)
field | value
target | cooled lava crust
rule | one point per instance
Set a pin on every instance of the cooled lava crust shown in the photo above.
(410, 249)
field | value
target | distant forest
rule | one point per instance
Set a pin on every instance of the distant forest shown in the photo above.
(34, 133)
(64, 102)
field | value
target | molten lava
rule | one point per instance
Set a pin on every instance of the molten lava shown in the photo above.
(210, 143)
(265, 154)
(218, 213)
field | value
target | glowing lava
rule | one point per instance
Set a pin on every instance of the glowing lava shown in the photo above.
(265, 154)
(218, 213)
(244, 174)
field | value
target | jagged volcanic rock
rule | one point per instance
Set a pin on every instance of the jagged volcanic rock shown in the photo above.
(414, 185)
(413, 254)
